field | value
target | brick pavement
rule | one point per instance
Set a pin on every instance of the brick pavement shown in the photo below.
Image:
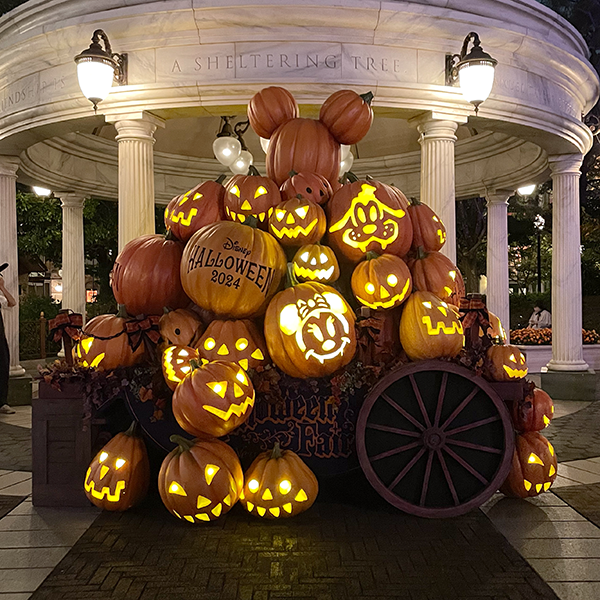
(7, 503)
(15, 448)
(585, 499)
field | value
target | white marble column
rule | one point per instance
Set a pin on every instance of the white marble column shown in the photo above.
(567, 346)
(498, 300)
(73, 255)
(135, 135)
(437, 141)
(9, 254)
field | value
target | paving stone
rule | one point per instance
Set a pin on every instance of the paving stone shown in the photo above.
(15, 447)
(576, 436)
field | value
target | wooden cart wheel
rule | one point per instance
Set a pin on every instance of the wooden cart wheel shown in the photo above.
(434, 439)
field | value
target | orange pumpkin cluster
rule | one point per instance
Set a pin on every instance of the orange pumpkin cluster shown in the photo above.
(534, 337)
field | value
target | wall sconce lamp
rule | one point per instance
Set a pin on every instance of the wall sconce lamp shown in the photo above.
(474, 71)
(226, 147)
(98, 67)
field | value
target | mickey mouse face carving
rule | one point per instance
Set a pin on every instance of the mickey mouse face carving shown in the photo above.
(505, 363)
(312, 186)
(251, 196)
(314, 262)
(297, 222)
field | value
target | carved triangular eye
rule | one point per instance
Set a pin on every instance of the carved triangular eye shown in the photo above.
(235, 190)
(261, 191)
(534, 459)
(218, 387)
(175, 488)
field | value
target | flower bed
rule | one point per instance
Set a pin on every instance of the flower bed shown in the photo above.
(538, 337)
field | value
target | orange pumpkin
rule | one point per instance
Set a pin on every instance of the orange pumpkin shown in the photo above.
(271, 107)
(251, 196)
(534, 412)
(312, 186)
(176, 364)
(181, 327)
(496, 331)
(347, 115)
(429, 232)
(505, 363)
(297, 222)
(433, 272)
(314, 262)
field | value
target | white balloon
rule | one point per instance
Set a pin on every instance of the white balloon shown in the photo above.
(226, 149)
(345, 150)
(242, 163)
(264, 144)
(347, 163)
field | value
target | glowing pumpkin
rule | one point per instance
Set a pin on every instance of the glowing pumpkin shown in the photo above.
(312, 186)
(297, 222)
(176, 364)
(505, 363)
(430, 328)
(309, 329)
(181, 327)
(534, 412)
(347, 115)
(433, 272)
(496, 331)
(119, 476)
(314, 262)
(429, 232)
(278, 484)
(200, 480)
(533, 469)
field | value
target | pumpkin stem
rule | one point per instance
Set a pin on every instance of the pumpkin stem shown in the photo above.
(252, 170)
(369, 178)
(184, 443)
(291, 280)
(251, 221)
(166, 310)
(371, 255)
(415, 201)
(194, 364)
(299, 196)
(170, 235)
(351, 177)
(122, 312)
(292, 173)
(276, 451)
(367, 97)
(221, 178)
(421, 254)
(133, 430)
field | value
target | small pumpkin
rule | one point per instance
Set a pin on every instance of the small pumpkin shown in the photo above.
(119, 475)
(496, 331)
(505, 363)
(430, 328)
(429, 232)
(176, 364)
(181, 327)
(200, 480)
(309, 330)
(312, 186)
(435, 273)
(238, 341)
(297, 222)
(381, 281)
(278, 484)
(533, 469)
(347, 115)
(251, 196)
(314, 262)
(213, 399)
(534, 412)
(271, 107)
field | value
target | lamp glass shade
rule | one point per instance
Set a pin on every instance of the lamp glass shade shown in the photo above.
(344, 151)
(264, 144)
(476, 80)
(242, 163)
(346, 164)
(95, 79)
(226, 149)
(526, 190)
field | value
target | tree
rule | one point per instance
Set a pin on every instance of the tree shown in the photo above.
(471, 224)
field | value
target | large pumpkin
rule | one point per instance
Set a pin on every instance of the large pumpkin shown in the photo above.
(430, 328)
(312, 186)
(251, 196)
(196, 208)
(213, 399)
(278, 484)
(309, 329)
(533, 469)
(231, 269)
(181, 327)
(238, 341)
(433, 272)
(534, 412)
(297, 222)
(146, 277)
(367, 215)
(119, 476)
(302, 145)
(200, 480)
(177, 363)
(505, 363)
(314, 262)
(347, 115)
(429, 232)
(271, 107)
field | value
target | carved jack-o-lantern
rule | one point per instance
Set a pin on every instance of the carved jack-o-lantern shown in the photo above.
(533, 469)
(297, 221)
(181, 327)
(504, 363)
(237, 341)
(381, 282)
(428, 230)
(278, 484)
(496, 331)
(119, 475)
(213, 399)
(312, 186)
(314, 262)
(534, 412)
(436, 273)
(176, 364)
(430, 328)
(200, 480)
(251, 196)
(309, 329)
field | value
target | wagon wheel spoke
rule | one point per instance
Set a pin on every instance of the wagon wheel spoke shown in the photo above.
(460, 407)
(466, 465)
(426, 478)
(448, 477)
(406, 469)
(395, 451)
(440, 402)
(474, 425)
(405, 414)
(417, 393)
(475, 446)
(389, 429)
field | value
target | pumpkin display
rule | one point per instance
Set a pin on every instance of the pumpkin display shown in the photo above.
(238, 341)
(297, 221)
(278, 484)
(496, 331)
(312, 186)
(271, 107)
(381, 281)
(430, 328)
(309, 329)
(347, 115)
(213, 399)
(314, 262)
(200, 480)
(232, 269)
(505, 363)
(429, 232)
(196, 208)
(533, 468)
(176, 364)
(146, 276)
(119, 475)
(435, 273)
(367, 215)
(534, 412)
(251, 196)
(104, 343)
(181, 327)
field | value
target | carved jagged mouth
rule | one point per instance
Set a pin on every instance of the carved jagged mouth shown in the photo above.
(441, 327)
(294, 232)
(234, 409)
(515, 373)
(242, 217)
(322, 274)
(323, 357)
(105, 491)
(186, 221)
(388, 303)
(385, 237)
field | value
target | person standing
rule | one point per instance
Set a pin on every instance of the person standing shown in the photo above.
(6, 301)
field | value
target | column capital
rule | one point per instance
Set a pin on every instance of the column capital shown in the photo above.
(440, 125)
(565, 163)
(9, 166)
(498, 196)
(71, 199)
(135, 125)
